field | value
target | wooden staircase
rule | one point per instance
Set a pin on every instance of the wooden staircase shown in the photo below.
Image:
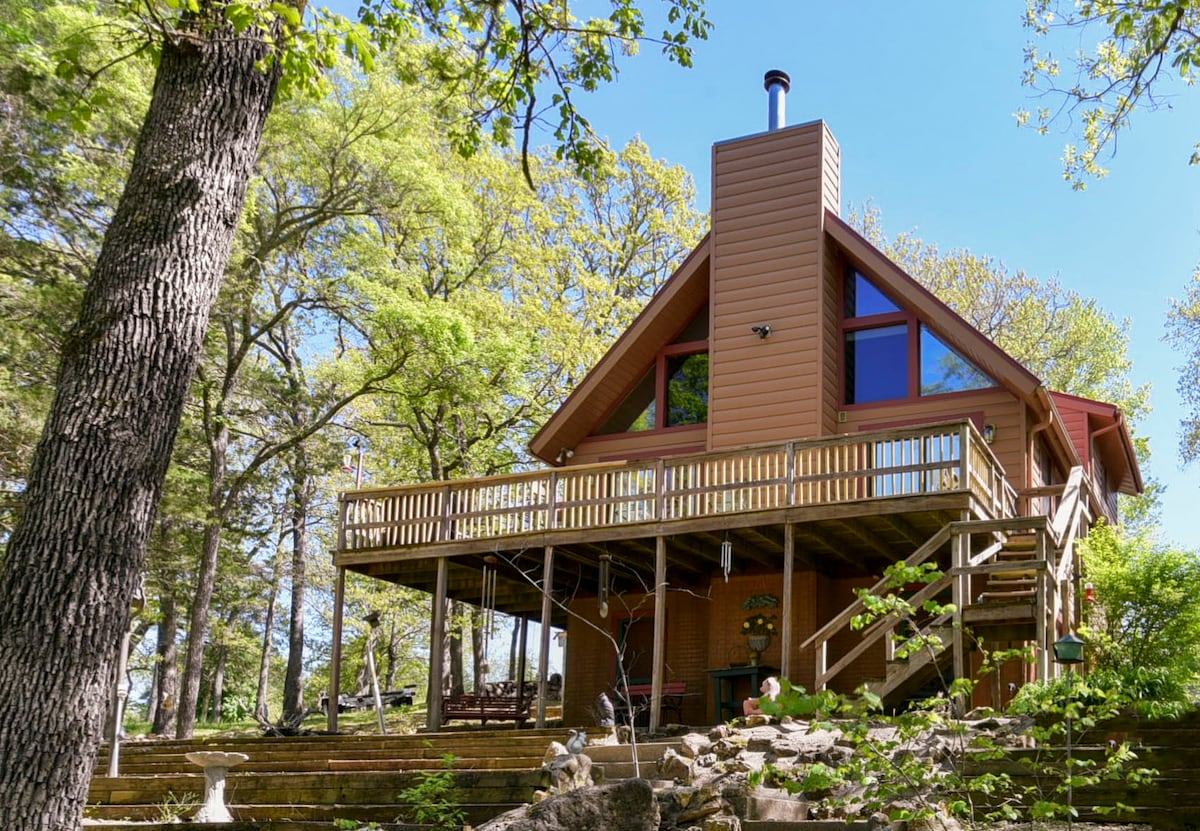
(323, 778)
(1009, 579)
(1006, 609)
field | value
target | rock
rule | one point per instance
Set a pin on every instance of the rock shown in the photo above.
(628, 805)
(722, 824)
(878, 821)
(555, 750)
(721, 731)
(694, 745)
(674, 766)
(726, 748)
(707, 760)
(783, 749)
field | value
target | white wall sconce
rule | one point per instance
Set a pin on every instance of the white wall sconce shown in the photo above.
(989, 433)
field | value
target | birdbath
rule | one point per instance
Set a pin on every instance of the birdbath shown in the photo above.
(215, 763)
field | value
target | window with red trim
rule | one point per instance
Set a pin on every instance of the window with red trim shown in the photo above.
(889, 354)
(674, 391)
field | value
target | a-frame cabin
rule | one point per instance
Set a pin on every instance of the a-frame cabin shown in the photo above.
(789, 414)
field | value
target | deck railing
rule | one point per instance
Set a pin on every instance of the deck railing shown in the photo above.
(909, 461)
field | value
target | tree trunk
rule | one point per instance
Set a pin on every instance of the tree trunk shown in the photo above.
(217, 714)
(455, 645)
(167, 670)
(479, 663)
(74, 560)
(293, 681)
(393, 657)
(513, 645)
(206, 578)
(264, 664)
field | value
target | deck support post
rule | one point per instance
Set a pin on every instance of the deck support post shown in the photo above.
(544, 646)
(660, 629)
(522, 658)
(785, 635)
(437, 648)
(335, 654)
(960, 593)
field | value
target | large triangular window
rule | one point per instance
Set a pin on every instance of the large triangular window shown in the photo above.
(674, 391)
(888, 354)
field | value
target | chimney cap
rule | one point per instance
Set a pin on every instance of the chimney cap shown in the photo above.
(777, 76)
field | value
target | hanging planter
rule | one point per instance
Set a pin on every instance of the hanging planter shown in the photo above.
(758, 629)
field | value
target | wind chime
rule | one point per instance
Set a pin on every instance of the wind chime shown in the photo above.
(487, 599)
(602, 591)
(726, 556)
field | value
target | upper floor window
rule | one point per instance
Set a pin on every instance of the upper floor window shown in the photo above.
(674, 392)
(888, 354)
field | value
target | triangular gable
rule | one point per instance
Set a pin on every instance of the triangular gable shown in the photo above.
(1088, 420)
(943, 320)
(611, 379)
(956, 331)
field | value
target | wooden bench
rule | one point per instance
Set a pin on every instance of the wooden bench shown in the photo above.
(639, 698)
(486, 708)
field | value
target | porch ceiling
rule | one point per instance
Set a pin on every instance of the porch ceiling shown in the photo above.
(859, 537)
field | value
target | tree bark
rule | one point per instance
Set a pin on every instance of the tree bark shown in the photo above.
(166, 672)
(261, 709)
(73, 562)
(455, 646)
(206, 578)
(293, 680)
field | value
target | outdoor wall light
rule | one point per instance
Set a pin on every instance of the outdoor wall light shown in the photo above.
(763, 331)
(989, 433)
(563, 455)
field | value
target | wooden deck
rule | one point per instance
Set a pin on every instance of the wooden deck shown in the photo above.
(679, 494)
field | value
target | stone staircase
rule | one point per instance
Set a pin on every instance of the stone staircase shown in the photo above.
(323, 778)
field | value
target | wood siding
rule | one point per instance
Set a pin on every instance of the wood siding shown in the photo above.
(770, 193)
(624, 446)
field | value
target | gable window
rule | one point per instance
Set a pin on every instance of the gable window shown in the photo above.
(888, 354)
(674, 391)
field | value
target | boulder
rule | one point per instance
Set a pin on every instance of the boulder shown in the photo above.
(628, 805)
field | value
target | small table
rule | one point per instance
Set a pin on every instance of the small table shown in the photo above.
(726, 694)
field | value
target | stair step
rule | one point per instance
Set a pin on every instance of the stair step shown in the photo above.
(1007, 596)
(1008, 583)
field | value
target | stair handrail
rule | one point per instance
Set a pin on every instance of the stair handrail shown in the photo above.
(879, 630)
(940, 538)
(1064, 527)
(820, 639)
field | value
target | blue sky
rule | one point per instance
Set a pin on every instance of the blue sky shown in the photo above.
(921, 98)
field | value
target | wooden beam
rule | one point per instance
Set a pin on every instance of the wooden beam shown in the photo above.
(785, 641)
(544, 646)
(660, 631)
(437, 649)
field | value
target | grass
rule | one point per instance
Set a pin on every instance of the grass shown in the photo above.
(398, 720)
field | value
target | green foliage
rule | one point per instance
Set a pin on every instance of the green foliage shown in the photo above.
(1145, 619)
(1070, 710)
(1183, 333)
(434, 799)
(178, 807)
(1139, 47)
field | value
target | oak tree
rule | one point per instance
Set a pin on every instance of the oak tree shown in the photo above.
(75, 556)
